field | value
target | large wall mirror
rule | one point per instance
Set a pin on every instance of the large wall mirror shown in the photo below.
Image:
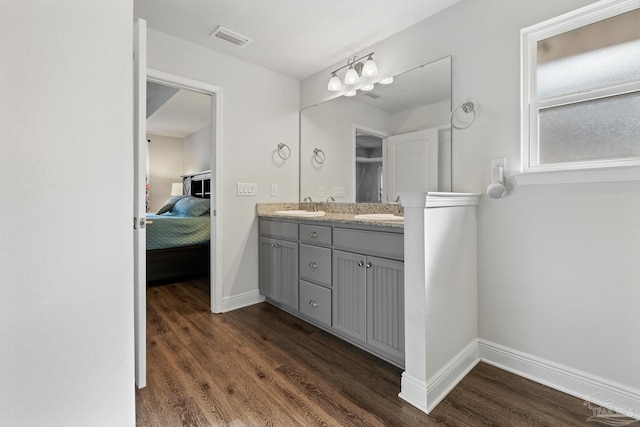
(372, 146)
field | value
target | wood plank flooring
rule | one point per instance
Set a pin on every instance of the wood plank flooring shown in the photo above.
(261, 366)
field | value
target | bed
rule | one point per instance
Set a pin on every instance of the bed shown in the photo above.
(178, 238)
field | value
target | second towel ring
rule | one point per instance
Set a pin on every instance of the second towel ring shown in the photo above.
(318, 156)
(284, 152)
(467, 107)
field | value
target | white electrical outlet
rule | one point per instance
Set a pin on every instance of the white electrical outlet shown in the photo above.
(274, 190)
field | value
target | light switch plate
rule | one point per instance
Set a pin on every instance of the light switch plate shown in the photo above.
(274, 190)
(247, 189)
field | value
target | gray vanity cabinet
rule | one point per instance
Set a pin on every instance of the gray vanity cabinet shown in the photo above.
(348, 280)
(368, 302)
(350, 295)
(278, 263)
(385, 307)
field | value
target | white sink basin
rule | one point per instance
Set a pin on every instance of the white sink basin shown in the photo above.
(299, 213)
(379, 217)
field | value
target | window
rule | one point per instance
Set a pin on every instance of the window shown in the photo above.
(581, 93)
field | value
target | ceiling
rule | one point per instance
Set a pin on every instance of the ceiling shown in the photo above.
(296, 38)
(180, 113)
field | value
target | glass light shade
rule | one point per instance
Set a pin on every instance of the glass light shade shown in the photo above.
(350, 93)
(351, 77)
(386, 81)
(370, 68)
(334, 84)
(367, 87)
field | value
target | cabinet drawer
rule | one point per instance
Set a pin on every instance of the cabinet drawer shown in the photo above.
(315, 302)
(370, 242)
(315, 234)
(283, 230)
(315, 264)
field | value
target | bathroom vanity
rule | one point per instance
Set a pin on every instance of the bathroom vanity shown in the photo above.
(343, 275)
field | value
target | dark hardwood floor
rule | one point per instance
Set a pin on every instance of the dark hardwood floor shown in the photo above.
(261, 366)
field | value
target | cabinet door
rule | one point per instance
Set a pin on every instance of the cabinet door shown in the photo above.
(349, 298)
(267, 265)
(278, 278)
(286, 284)
(385, 307)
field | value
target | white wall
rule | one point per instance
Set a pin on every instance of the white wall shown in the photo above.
(558, 264)
(260, 110)
(165, 167)
(66, 267)
(197, 151)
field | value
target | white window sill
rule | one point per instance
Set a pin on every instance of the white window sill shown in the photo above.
(574, 176)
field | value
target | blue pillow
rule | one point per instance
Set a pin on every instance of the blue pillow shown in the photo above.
(191, 206)
(168, 205)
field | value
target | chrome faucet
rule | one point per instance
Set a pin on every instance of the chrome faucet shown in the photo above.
(311, 204)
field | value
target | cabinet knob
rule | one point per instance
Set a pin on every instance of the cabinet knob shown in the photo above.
(369, 265)
(360, 264)
(313, 264)
(313, 234)
(313, 303)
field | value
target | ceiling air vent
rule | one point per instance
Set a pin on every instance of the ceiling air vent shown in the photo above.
(373, 94)
(232, 37)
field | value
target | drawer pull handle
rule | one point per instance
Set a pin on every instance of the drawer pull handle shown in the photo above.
(360, 264)
(313, 264)
(369, 265)
(312, 303)
(275, 245)
(313, 234)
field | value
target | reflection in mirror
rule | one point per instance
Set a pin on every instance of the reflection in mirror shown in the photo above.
(381, 142)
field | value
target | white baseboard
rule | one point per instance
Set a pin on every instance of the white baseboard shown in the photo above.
(590, 388)
(426, 396)
(414, 391)
(242, 300)
(440, 384)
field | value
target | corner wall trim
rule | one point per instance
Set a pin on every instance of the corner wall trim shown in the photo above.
(582, 385)
(414, 391)
(242, 300)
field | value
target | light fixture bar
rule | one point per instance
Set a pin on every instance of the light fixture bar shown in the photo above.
(352, 62)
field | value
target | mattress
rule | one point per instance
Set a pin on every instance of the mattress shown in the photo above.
(171, 231)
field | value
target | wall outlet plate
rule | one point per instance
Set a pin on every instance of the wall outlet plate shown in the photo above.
(499, 162)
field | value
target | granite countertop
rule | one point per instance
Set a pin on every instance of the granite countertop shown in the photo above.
(334, 212)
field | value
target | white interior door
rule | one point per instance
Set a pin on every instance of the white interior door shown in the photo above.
(140, 199)
(412, 162)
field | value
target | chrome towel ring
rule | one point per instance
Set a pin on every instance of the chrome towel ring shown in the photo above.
(467, 107)
(318, 156)
(284, 152)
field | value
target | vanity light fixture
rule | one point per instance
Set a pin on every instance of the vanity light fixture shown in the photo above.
(350, 93)
(386, 81)
(367, 87)
(363, 66)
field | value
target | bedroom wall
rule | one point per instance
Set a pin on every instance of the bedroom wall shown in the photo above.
(197, 151)
(166, 158)
(260, 110)
(558, 264)
(66, 270)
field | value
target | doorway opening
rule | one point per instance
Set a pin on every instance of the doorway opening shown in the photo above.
(200, 151)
